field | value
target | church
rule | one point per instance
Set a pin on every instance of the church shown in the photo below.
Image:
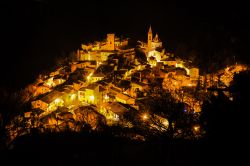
(153, 43)
(154, 48)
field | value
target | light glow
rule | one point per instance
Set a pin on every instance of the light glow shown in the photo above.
(165, 123)
(72, 96)
(57, 101)
(196, 128)
(92, 98)
(89, 76)
(144, 116)
(106, 97)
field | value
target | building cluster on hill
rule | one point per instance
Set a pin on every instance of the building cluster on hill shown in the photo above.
(107, 80)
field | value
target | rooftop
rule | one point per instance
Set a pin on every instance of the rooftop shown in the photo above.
(100, 74)
(51, 96)
(117, 108)
(122, 96)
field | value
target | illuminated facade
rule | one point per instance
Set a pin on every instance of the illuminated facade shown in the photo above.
(120, 97)
(156, 43)
(92, 94)
(41, 90)
(113, 111)
(150, 38)
(153, 43)
(97, 77)
(110, 43)
(156, 54)
(49, 102)
(99, 56)
(194, 73)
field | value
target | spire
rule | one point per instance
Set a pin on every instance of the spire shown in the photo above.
(150, 29)
(156, 39)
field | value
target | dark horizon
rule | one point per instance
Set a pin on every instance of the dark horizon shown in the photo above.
(35, 32)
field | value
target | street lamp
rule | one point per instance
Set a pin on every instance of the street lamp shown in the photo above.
(144, 117)
(196, 128)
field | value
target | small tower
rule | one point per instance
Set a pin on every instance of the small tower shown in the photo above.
(110, 41)
(150, 37)
(156, 38)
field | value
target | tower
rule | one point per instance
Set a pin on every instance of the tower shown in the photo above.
(150, 37)
(156, 38)
(110, 41)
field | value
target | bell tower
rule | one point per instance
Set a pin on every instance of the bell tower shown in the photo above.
(111, 41)
(150, 37)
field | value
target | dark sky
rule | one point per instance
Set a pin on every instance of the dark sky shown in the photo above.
(34, 32)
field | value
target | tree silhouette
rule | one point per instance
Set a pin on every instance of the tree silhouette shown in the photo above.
(226, 121)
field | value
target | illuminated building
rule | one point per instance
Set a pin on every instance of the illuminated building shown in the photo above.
(97, 77)
(41, 90)
(153, 43)
(115, 110)
(150, 38)
(194, 73)
(49, 102)
(156, 54)
(120, 97)
(119, 43)
(156, 43)
(110, 44)
(92, 94)
(99, 55)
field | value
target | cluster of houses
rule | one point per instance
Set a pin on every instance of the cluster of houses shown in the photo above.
(107, 80)
(96, 90)
(113, 77)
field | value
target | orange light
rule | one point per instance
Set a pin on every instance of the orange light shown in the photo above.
(144, 116)
(196, 128)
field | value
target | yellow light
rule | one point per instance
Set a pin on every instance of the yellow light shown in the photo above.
(196, 128)
(89, 76)
(50, 82)
(188, 72)
(73, 96)
(165, 123)
(92, 98)
(57, 101)
(106, 97)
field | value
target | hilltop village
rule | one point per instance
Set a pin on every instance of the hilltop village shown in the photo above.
(111, 83)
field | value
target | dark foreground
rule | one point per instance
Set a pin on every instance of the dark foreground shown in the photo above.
(70, 149)
(91, 149)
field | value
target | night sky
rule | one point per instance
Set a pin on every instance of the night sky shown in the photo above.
(34, 32)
